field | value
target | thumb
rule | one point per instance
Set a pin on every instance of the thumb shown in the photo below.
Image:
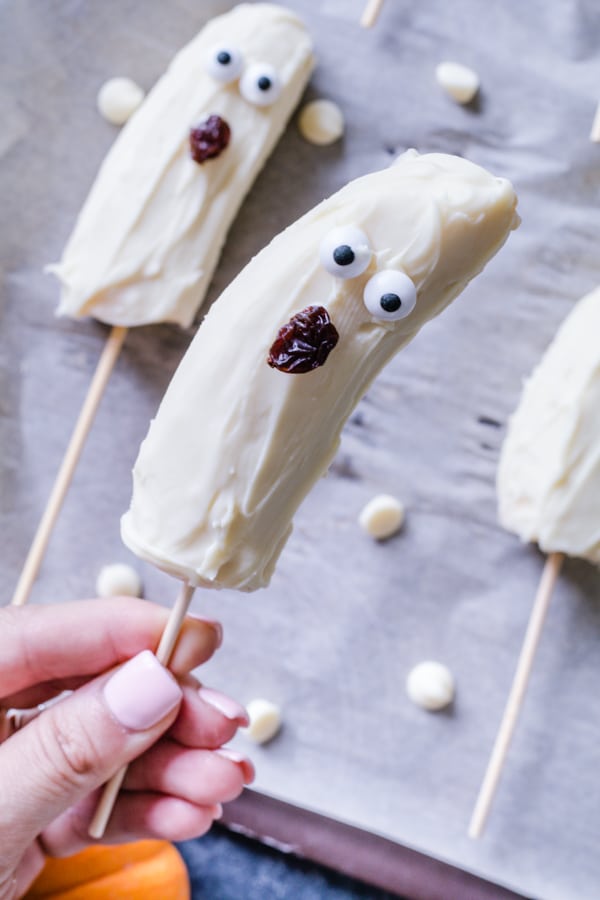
(76, 745)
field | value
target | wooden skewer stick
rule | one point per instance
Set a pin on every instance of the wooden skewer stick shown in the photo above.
(516, 695)
(163, 654)
(106, 363)
(370, 13)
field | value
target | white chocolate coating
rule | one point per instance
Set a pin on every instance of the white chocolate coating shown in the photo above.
(118, 99)
(265, 721)
(118, 579)
(237, 445)
(549, 471)
(382, 516)
(430, 685)
(149, 236)
(321, 122)
(595, 132)
(458, 81)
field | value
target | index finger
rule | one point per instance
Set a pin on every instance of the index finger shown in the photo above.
(43, 643)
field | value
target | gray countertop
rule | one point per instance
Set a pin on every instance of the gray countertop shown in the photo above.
(344, 620)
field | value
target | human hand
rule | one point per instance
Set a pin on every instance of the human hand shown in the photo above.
(51, 770)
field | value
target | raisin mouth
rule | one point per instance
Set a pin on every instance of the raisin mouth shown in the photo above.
(304, 343)
(209, 139)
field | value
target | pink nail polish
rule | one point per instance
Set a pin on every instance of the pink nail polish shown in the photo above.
(217, 811)
(141, 692)
(231, 709)
(242, 761)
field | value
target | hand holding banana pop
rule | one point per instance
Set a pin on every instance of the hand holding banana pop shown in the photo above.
(253, 415)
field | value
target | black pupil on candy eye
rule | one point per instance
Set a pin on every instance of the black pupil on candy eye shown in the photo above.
(343, 255)
(390, 302)
(224, 57)
(264, 83)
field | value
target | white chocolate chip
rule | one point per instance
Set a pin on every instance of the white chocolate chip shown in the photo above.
(118, 99)
(460, 82)
(265, 721)
(382, 517)
(430, 685)
(321, 122)
(118, 579)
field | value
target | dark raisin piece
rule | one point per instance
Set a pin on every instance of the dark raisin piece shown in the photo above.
(305, 342)
(209, 139)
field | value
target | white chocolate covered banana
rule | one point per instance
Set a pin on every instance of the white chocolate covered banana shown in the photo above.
(149, 236)
(549, 471)
(253, 415)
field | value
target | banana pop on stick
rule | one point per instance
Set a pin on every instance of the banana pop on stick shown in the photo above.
(549, 489)
(148, 238)
(253, 415)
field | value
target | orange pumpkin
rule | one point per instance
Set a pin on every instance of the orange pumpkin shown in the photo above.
(147, 870)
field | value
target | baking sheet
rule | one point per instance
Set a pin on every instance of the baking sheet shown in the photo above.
(334, 636)
(371, 859)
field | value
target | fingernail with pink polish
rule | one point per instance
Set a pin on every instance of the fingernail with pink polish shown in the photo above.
(242, 761)
(216, 811)
(231, 709)
(141, 692)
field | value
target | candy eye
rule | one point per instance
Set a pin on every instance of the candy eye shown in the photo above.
(225, 64)
(390, 295)
(260, 84)
(345, 252)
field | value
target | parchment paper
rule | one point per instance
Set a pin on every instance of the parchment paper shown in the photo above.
(344, 620)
